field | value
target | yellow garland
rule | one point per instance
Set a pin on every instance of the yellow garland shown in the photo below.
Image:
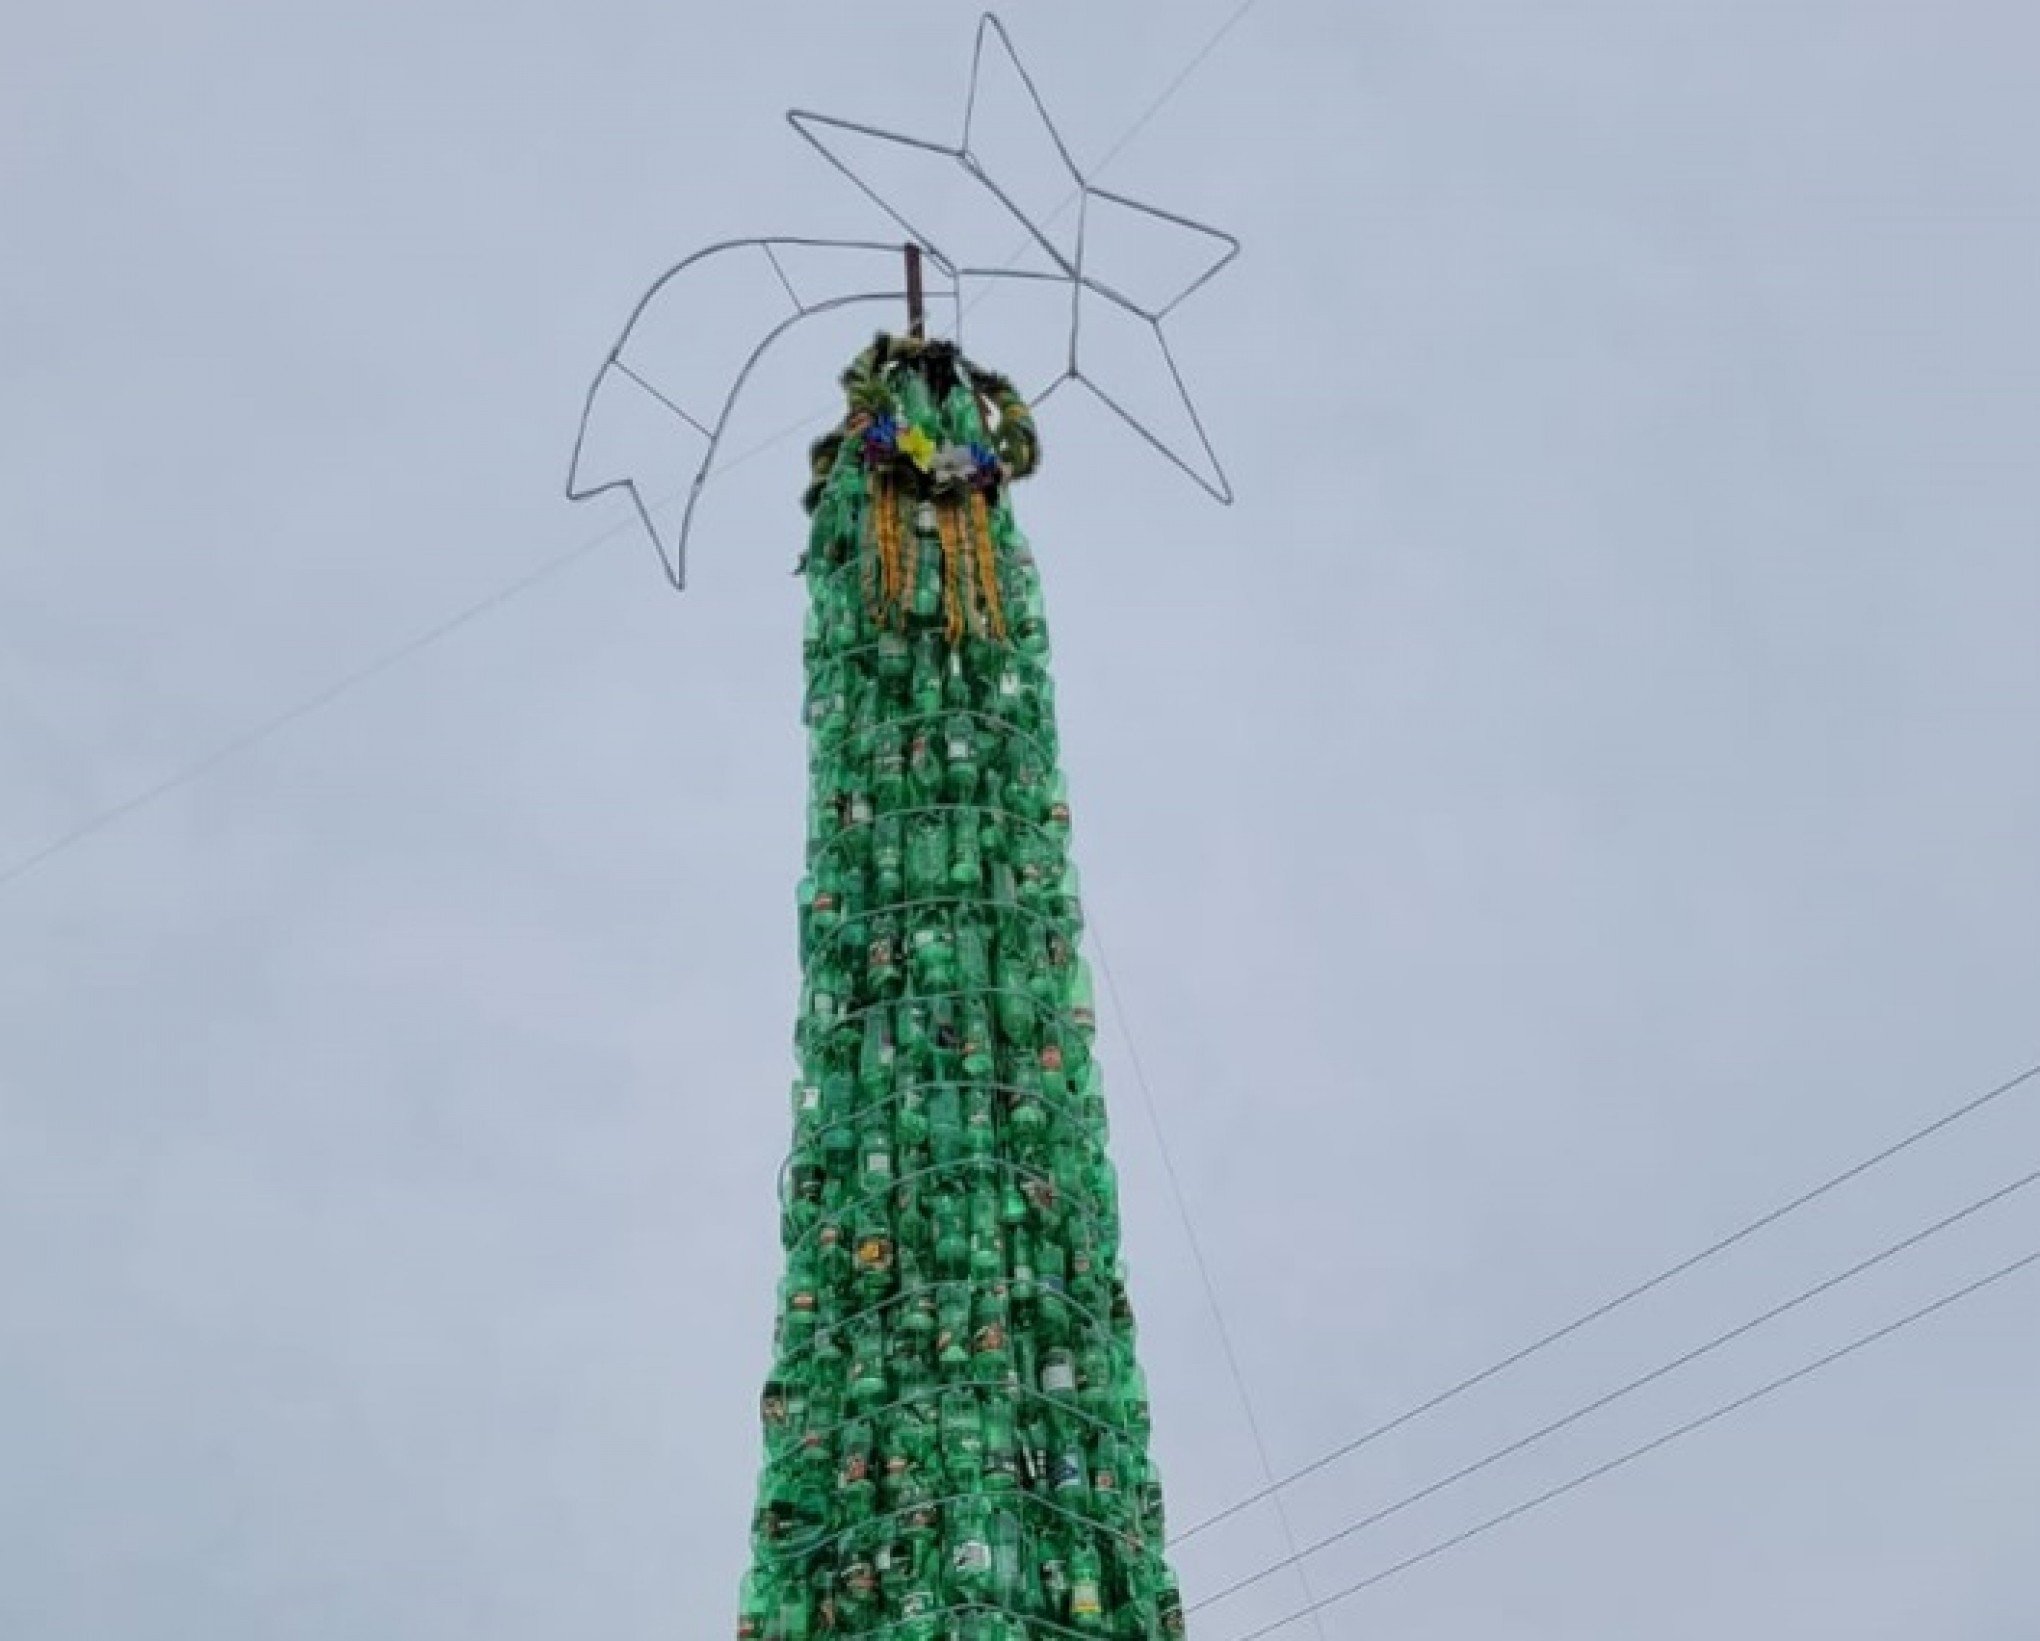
(988, 567)
(952, 569)
(909, 572)
(972, 597)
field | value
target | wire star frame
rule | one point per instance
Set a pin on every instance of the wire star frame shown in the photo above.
(840, 273)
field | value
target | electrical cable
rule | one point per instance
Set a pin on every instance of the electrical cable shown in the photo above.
(1608, 1307)
(325, 696)
(1575, 1483)
(1805, 1296)
(1296, 1556)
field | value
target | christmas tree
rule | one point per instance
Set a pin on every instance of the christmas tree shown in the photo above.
(956, 1427)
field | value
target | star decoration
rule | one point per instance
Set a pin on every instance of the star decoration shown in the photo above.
(1135, 300)
(694, 338)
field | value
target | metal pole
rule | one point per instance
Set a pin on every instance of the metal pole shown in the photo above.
(917, 326)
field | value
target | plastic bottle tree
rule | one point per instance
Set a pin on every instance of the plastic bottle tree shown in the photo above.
(956, 1428)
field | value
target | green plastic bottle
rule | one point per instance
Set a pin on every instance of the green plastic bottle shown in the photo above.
(924, 769)
(966, 857)
(802, 1302)
(977, 1039)
(963, 1438)
(1169, 1603)
(960, 759)
(1070, 1476)
(1095, 1376)
(1133, 1407)
(952, 1228)
(1087, 1596)
(980, 1132)
(970, 1550)
(1020, 1241)
(795, 1616)
(856, 1488)
(991, 1349)
(1002, 1445)
(920, 1618)
(1008, 1560)
(889, 858)
(870, 1384)
(1053, 1563)
(754, 1606)
(910, 1121)
(927, 857)
(925, 690)
(952, 1325)
(875, 1063)
(987, 1246)
(1084, 1003)
(893, 658)
(973, 962)
(881, 957)
(1025, 1113)
(875, 1153)
(1011, 973)
(1107, 1503)
(857, 1603)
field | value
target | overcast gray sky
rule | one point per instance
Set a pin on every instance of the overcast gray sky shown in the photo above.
(1583, 793)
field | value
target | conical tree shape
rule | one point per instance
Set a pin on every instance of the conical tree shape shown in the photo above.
(956, 1428)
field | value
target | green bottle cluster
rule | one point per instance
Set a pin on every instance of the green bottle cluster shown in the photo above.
(956, 1427)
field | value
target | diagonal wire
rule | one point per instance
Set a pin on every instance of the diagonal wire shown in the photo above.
(1238, 17)
(1271, 1489)
(348, 682)
(1714, 1249)
(261, 731)
(1678, 1433)
(1663, 1370)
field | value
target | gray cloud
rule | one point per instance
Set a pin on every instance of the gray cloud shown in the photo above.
(1583, 793)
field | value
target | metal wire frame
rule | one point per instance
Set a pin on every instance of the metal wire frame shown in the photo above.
(852, 563)
(675, 563)
(855, 831)
(999, 728)
(805, 1552)
(1079, 1203)
(852, 1017)
(1071, 270)
(925, 1085)
(1145, 1521)
(935, 1393)
(1072, 911)
(957, 1609)
(1100, 1327)
(887, 283)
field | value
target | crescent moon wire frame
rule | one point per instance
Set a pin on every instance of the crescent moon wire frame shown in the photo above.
(1071, 268)
(675, 563)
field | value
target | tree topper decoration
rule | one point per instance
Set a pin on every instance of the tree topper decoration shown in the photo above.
(787, 279)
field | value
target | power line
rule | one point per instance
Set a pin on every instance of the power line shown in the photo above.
(1586, 1409)
(1295, 1557)
(502, 595)
(1239, 16)
(332, 692)
(1633, 1454)
(1609, 1307)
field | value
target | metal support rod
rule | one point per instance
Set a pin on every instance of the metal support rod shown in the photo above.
(917, 325)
